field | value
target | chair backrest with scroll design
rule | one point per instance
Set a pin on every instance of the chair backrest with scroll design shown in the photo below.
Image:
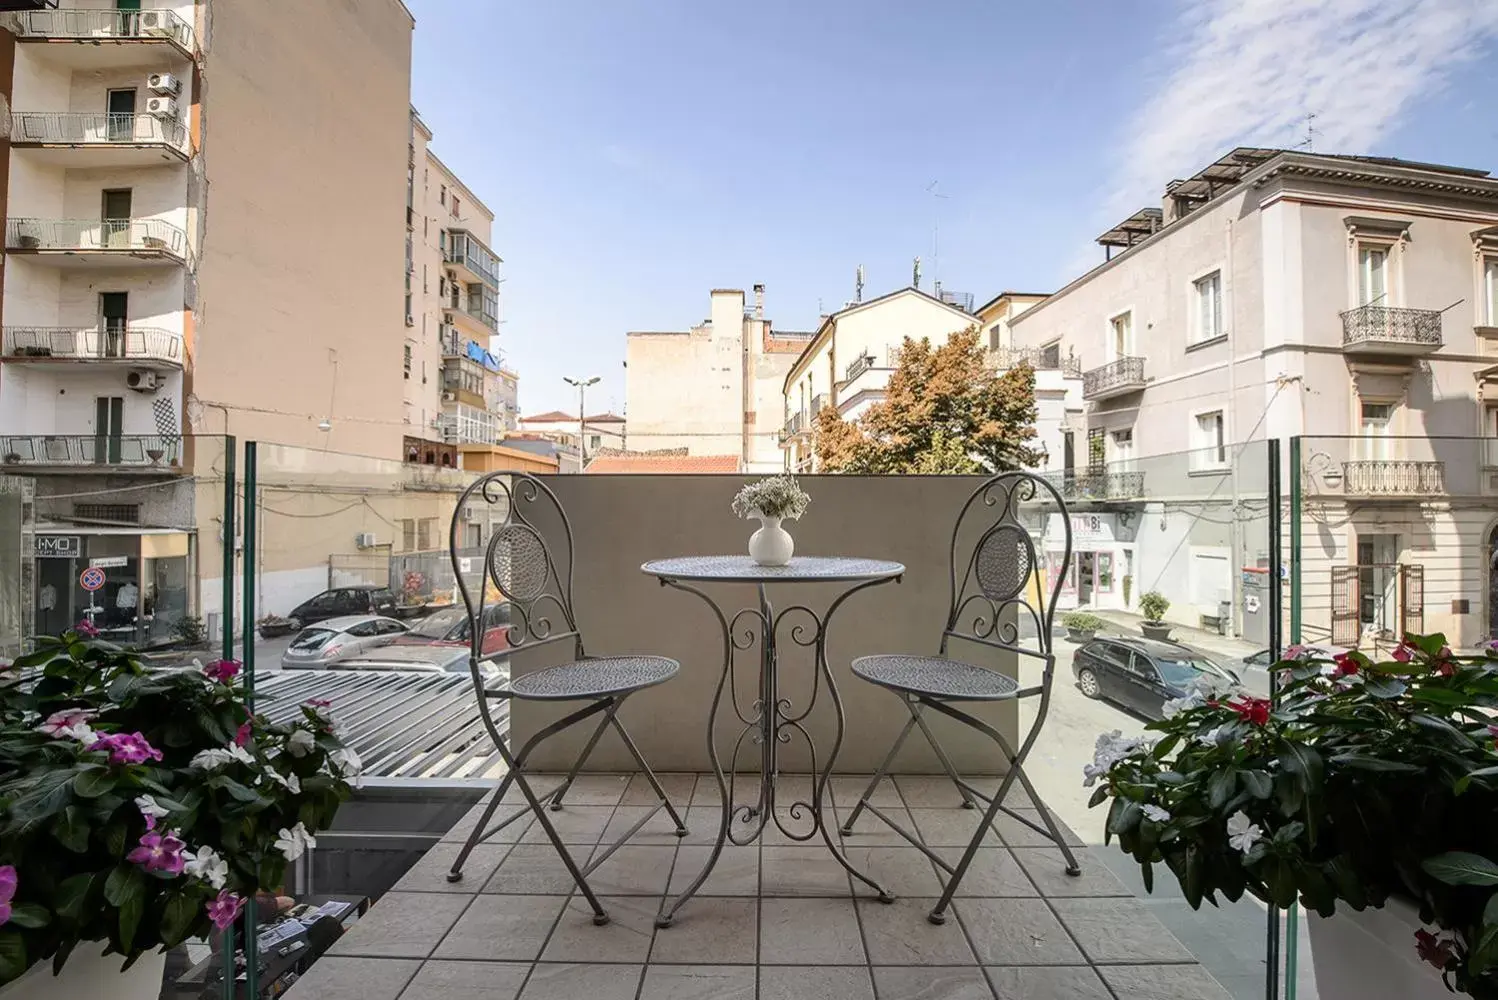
(996, 583)
(521, 573)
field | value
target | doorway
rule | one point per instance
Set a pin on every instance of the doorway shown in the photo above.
(109, 417)
(1378, 581)
(114, 308)
(129, 17)
(120, 108)
(1086, 577)
(115, 217)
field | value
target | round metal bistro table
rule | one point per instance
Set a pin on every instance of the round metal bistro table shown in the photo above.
(772, 720)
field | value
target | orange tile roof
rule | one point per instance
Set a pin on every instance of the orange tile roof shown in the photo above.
(648, 464)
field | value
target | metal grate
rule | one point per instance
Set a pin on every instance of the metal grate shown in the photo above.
(402, 725)
(116, 513)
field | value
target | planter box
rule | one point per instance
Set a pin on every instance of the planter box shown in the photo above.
(1370, 955)
(1154, 630)
(1080, 634)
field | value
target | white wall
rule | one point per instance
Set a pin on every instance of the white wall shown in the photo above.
(36, 399)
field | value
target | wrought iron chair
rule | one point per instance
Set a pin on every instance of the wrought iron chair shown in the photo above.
(992, 584)
(536, 589)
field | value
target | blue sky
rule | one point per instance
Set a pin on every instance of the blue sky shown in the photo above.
(637, 153)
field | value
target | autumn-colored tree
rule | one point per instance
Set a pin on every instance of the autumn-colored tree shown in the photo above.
(946, 410)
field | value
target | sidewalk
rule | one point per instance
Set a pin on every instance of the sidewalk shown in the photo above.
(1127, 623)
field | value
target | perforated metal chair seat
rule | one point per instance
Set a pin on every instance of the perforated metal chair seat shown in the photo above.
(594, 678)
(935, 677)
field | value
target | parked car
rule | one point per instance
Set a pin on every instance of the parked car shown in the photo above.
(1263, 660)
(361, 599)
(450, 627)
(436, 658)
(1141, 674)
(326, 643)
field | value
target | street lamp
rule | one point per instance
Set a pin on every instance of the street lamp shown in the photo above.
(581, 385)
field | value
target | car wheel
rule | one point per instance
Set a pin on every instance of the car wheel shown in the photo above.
(1087, 681)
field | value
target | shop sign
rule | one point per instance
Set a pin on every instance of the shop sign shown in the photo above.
(1092, 527)
(110, 562)
(58, 546)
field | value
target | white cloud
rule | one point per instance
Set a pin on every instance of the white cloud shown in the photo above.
(1246, 72)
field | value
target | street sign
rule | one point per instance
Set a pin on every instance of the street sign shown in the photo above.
(57, 546)
(91, 579)
(110, 562)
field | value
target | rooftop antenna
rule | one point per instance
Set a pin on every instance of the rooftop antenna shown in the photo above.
(858, 284)
(1309, 142)
(936, 199)
(915, 276)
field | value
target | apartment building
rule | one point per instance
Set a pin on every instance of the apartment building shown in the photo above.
(716, 389)
(848, 360)
(597, 432)
(1278, 293)
(453, 376)
(1058, 381)
(190, 249)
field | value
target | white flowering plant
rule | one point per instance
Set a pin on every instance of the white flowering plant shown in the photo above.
(141, 809)
(1365, 779)
(778, 496)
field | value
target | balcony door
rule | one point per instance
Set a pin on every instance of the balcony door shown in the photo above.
(130, 18)
(1373, 276)
(121, 115)
(1375, 441)
(114, 308)
(1378, 581)
(115, 216)
(1122, 335)
(109, 419)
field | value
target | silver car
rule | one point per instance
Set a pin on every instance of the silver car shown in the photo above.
(319, 646)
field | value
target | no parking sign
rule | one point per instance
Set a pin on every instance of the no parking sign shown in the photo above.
(91, 579)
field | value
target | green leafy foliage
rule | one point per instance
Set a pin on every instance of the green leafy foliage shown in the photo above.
(1153, 605)
(1082, 621)
(1366, 780)
(70, 815)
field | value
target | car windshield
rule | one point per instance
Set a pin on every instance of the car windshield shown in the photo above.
(437, 626)
(312, 638)
(1178, 672)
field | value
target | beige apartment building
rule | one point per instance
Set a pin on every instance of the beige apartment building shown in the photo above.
(1058, 378)
(1279, 293)
(849, 359)
(716, 389)
(454, 378)
(189, 187)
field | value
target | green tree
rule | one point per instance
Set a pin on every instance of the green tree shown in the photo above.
(946, 410)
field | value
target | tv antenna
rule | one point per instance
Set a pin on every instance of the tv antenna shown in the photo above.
(936, 199)
(1309, 142)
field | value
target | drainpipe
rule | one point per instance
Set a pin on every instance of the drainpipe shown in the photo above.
(1235, 531)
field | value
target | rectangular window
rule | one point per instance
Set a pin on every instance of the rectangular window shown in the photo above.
(407, 361)
(1050, 356)
(1373, 276)
(1105, 572)
(442, 197)
(1208, 311)
(1097, 448)
(1123, 448)
(1211, 441)
(1490, 289)
(424, 530)
(1123, 335)
(455, 206)
(1376, 424)
(408, 534)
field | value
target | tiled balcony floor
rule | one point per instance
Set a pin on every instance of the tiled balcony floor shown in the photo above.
(776, 921)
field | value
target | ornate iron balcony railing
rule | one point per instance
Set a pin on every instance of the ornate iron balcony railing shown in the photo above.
(1367, 325)
(94, 25)
(1009, 357)
(133, 450)
(1393, 477)
(97, 129)
(860, 365)
(1125, 374)
(1098, 484)
(136, 343)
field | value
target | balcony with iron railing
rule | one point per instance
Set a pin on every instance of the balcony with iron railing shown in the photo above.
(1005, 358)
(797, 424)
(102, 30)
(90, 241)
(85, 452)
(1098, 484)
(138, 346)
(99, 139)
(1393, 477)
(1389, 330)
(473, 261)
(1117, 378)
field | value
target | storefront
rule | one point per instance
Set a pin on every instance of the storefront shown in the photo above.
(132, 586)
(1102, 565)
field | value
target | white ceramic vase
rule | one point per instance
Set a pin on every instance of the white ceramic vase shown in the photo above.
(771, 545)
(89, 974)
(1370, 955)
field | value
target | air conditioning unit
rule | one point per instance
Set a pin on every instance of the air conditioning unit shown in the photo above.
(143, 381)
(155, 22)
(162, 107)
(449, 396)
(365, 540)
(164, 84)
(410, 320)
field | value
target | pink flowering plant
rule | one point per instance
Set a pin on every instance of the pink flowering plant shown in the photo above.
(141, 809)
(1369, 779)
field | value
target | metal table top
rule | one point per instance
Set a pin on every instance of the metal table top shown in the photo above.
(801, 569)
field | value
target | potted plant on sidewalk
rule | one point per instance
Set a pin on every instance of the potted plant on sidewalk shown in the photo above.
(138, 810)
(1081, 626)
(1153, 605)
(1368, 796)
